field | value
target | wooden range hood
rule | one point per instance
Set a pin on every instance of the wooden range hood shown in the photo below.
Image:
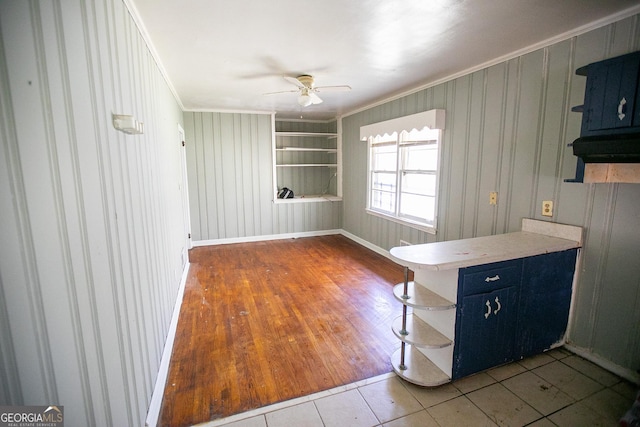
(609, 158)
(612, 172)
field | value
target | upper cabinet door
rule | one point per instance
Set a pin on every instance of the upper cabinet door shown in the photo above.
(611, 95)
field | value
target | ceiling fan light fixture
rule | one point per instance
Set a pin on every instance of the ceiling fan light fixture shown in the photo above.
(307, 91)
(304, 100)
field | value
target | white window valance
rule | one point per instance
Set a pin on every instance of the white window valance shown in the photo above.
(433, 119)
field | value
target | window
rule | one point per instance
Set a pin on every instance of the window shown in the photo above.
(403, 162)
(403, 176)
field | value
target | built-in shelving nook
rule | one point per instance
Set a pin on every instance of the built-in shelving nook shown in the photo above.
(307, 160)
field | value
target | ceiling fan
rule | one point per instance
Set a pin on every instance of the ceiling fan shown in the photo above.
(307, 89)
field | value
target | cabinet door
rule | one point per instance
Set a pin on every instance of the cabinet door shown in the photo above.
(611, 94)
(545, 298)
(485, 329)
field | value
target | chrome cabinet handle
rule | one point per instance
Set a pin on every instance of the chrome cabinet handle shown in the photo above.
(492, 279)
(621, 108)
(488, 304)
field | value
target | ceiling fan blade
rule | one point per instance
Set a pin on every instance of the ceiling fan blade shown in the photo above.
(315, 99)
(294, 81)
(281, 91)
(341, 88)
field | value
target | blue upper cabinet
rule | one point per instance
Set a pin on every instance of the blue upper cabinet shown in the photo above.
(611, 96)
(610, 131)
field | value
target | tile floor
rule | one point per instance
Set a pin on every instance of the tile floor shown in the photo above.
(552, 389)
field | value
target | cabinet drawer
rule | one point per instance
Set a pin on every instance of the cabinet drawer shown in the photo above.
(488, 277)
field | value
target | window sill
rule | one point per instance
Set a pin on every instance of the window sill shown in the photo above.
(403, 221)
(309, 199)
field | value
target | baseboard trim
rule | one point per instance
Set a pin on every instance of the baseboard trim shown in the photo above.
(250, 239)
(367, 244)
(620, 371)
(163, 371)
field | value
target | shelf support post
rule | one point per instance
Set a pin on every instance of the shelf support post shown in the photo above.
(404, 331)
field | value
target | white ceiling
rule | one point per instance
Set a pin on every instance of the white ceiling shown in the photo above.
(223, 55)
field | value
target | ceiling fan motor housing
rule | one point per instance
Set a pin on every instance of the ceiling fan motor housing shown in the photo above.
(306, 80)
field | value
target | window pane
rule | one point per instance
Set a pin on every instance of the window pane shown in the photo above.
(383, 181)
(418, 207)
(424, 134)
(383, 195)
(420, 157)
(383, 158)
(383, 200)
(419, 183)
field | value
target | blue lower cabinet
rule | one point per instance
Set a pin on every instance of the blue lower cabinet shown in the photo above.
(542, 322)
(511, 309)
(545, 299)
(485, 327)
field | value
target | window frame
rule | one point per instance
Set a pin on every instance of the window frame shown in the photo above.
(402, 143)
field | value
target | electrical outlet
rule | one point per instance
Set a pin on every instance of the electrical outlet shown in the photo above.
(547, 208)
(493, 198)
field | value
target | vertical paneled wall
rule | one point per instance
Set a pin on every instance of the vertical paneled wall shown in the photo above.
(230, 169)
(507, 130)
(92, 232)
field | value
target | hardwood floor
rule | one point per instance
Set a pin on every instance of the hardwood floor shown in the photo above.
(269, 321)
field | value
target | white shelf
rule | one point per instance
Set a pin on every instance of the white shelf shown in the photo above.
(306, 165)
(420, 333)
(311, 134)
(421, 297)
(309, 163)
(321, 150)
(310, 199)
(419, 369)
(427, 337)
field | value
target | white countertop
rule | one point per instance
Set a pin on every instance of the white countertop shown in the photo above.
(483, 250)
